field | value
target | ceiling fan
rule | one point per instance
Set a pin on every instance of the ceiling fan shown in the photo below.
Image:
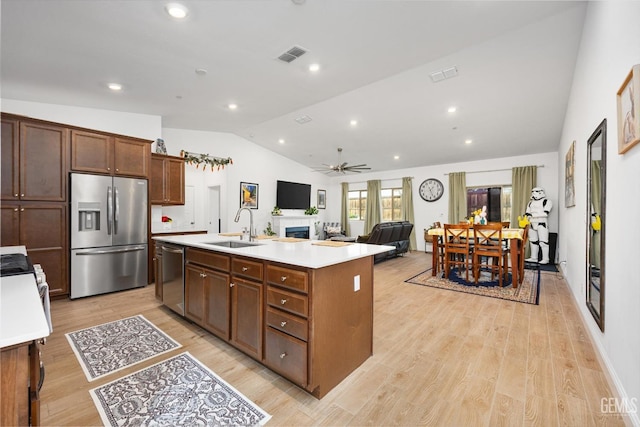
(341, 167)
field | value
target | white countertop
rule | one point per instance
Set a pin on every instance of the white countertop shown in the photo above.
(303, 254)
(159, 230)
(21, 314)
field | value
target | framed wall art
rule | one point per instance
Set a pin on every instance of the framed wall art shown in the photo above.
(322, 199)
(569, 186)
(628, 114)
(248, 195)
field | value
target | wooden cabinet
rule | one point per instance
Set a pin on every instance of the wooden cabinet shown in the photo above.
(312, 326)
(42, 229)
(166, 180)
(107, 154)
(20, 381)
(34, 161)
(227, 305)
(287, 324)
(34, 194)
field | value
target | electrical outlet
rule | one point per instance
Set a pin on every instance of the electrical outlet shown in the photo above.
(356, 283)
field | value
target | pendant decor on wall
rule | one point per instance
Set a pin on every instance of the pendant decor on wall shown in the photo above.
(205, 160)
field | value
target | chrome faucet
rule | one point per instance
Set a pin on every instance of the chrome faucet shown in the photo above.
(250, 221)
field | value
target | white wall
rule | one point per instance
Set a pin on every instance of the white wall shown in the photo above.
(251, 163)
(477, 175)
(610, 46)
(130, 124)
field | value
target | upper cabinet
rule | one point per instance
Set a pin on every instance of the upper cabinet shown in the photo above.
(112, 155)
(166, 183)
(34, 161)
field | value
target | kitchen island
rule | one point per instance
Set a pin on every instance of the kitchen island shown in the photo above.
(303, 309)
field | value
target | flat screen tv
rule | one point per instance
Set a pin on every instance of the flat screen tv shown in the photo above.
(293, 195)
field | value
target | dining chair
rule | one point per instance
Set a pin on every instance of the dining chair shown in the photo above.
(489, 252)
(457, 248)
(440, 247)
(522, 246)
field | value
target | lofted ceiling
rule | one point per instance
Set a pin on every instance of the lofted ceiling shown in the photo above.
(514, 62)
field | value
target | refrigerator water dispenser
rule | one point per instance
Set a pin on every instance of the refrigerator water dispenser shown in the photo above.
(88, 216)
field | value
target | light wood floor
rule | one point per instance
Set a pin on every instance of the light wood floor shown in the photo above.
(440, 358)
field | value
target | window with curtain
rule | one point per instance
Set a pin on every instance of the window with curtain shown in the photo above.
(496, 199)
(358, 204)
(391, 204)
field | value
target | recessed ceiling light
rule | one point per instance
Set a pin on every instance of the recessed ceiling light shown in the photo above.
(468, 141)
(281, 141)
(396, 157)
(233, 106)
(452, 109)
(177, 10)
(353, 123)
(314, 67)
(115, 86)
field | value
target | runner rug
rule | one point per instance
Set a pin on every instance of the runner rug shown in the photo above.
(177, 391)
(113, 346)
(527, 292)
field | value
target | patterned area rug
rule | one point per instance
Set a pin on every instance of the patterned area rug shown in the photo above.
(178, 391)
(107, 348)
(527, 292)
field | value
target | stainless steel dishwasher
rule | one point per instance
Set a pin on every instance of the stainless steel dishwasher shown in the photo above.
(173, 277)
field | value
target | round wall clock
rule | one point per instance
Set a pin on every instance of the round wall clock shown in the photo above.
(431, 190)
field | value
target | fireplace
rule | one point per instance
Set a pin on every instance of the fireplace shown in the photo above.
(299, 232)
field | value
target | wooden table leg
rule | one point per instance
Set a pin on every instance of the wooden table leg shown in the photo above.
(515, 262)
(434, 256)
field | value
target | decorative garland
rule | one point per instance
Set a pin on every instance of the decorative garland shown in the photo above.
(197, 159)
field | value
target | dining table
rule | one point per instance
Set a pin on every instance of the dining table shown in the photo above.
(515, 236)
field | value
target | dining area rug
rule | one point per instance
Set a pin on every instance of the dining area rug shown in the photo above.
(527, 292)
(177, 391)
(110, 347)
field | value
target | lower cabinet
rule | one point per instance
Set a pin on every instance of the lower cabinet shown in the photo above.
(309, 325)
(20, 381)
(41, 228)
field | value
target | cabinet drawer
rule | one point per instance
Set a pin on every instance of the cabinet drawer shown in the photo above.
(288, 278)
(244, 267)
(287, 301)
(286, 355)
(208, 259)
(287, 323)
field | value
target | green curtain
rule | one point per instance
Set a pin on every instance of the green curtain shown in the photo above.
(373, 205)
(344, 214)
(596, 206)
(457, 197)
(523, 179)
(407, 210)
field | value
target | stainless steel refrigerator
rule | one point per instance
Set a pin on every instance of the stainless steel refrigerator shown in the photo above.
(108, 234)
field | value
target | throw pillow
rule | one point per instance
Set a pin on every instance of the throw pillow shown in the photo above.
(334, 230)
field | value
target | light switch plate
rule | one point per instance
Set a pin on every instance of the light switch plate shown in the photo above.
(356, 283)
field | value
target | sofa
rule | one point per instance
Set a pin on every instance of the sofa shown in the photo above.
(389, 233)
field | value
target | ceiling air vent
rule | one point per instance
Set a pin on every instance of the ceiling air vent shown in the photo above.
(447, 73)
(303, 119)
(292, 54)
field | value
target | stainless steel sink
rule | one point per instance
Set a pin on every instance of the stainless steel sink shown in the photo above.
(235, 244)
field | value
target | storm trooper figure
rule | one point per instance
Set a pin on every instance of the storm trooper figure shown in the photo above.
(537, 212)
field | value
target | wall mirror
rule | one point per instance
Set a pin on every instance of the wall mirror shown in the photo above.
(596, 179)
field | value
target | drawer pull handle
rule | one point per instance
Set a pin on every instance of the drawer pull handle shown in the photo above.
(283, 324)
(203, 275)
(231, 285)
(245, 268)
(283, 278)
(283, 301)
(283, 355)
